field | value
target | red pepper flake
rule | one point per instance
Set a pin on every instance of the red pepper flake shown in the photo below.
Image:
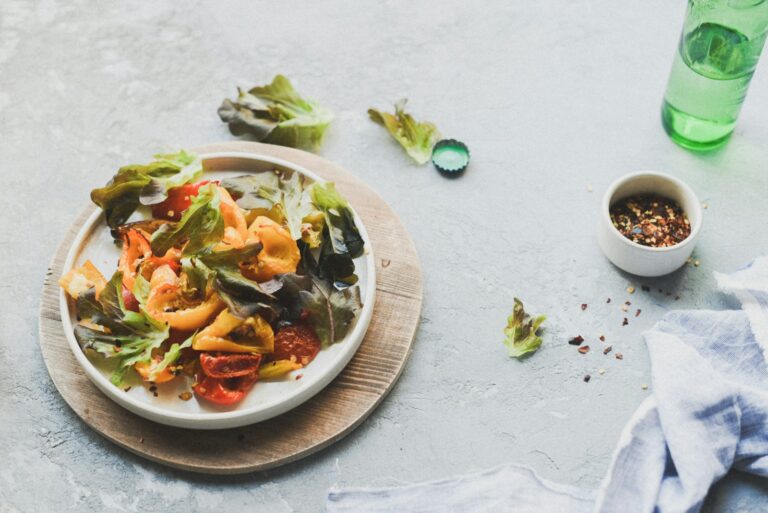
(127, 389)
(385, 263)
(608, 300)
(628, 303)
(587, 377)
(625, 321)
(584, 349)
(637, 314)
(298, 377)
(619, 356)
(650, 220)
(608, 350)
(576, 341)
(583, 306)
(141, 439)
(602, 338)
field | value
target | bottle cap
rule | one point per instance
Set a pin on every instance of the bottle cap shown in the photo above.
(450, 156)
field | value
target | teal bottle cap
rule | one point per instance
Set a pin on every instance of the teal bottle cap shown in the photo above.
(450, 156)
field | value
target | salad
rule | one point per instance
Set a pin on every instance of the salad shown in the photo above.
(220, 283)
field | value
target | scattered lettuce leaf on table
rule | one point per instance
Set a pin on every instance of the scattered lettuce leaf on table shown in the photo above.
(145, 184)
(417, 138)
(115, 332)
(276, 114)
(521, 338)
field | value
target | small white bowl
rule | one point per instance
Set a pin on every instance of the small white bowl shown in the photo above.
(643, 260)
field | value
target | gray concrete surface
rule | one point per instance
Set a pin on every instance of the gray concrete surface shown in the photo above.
(552, 97)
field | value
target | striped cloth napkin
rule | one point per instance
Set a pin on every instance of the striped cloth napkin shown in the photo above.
(708, 414)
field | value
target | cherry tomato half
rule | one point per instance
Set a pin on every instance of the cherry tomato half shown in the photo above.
(178, 200)
(129, 300)
(225, 391)
(229, 365)
(298, 343)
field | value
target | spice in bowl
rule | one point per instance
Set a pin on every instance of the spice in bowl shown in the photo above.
(650, 220)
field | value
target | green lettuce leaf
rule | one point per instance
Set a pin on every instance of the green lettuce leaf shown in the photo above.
(312, 297)
(345, 237)
(254, 191)
(330, 311)
(521, 338)
(417, 138)
(200, 226)
(243, 296)
(276, 114)
(343, 241)
(130, 337)
(267, 189)
(170, 357)
(148, 184)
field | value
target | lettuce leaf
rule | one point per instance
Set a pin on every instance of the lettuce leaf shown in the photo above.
(129, 337)
(343, 241)
(345, 237)
(521, 338)
(145, 184)
(330, 311)
(417, 138)
(267, 189)
(276, 114)
(243, 296)
(200, 225)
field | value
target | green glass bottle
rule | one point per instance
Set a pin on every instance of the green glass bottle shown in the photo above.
(717, 55)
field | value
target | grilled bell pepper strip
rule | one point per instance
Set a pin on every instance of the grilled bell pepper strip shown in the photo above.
(277, 369)
(280, 253)
(234, 335)
(135, 250)
(145, 371)
(167, 304)
(82, 278)
(235, 227)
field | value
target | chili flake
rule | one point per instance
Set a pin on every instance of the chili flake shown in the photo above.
(576, 341)
(587, 377)
(650, 220)
(584, 349)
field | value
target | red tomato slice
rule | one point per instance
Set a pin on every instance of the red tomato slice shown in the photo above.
(298, 343)
(178, 200)
(225, 391)
(229, 365)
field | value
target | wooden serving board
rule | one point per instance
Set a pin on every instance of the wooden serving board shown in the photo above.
(327, 417)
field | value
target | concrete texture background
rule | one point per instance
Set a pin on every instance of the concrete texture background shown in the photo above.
(552, 97)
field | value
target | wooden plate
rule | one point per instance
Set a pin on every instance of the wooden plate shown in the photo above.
(317, 423)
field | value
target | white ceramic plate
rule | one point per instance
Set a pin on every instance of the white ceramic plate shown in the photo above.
(266, 399)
